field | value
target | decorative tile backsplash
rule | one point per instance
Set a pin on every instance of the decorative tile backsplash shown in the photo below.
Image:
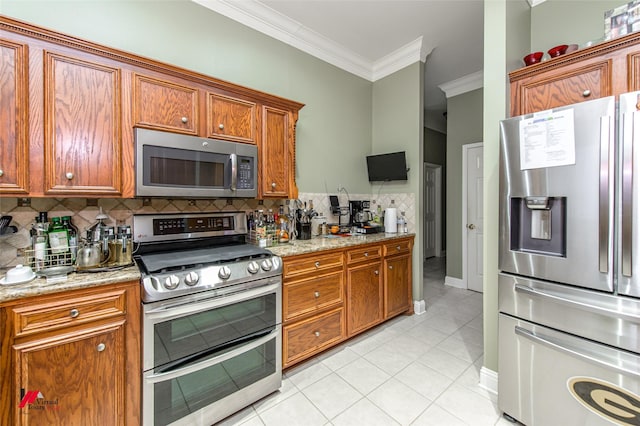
(120, 211)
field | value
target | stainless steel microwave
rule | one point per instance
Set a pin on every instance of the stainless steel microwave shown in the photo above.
(180, 166)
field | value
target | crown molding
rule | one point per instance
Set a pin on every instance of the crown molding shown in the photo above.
(463, 84)
(534, 3)
(261, 18)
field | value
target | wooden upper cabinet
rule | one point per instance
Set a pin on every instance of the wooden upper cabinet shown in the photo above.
(164, 105)
(82, 127)
(275, 156)
(14, 144)
(231, 118)
(607, 69)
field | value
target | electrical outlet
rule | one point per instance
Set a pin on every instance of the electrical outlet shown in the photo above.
(339, 187)
(146, 202)
(24, 202)
(192, 202)
(92, 202)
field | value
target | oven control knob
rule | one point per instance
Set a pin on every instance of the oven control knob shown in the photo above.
(266, 264)
(192, 278)
(224, 272)
(171, 282)
(253, 267)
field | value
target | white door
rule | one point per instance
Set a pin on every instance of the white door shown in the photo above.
(432, 231)
(472, 220)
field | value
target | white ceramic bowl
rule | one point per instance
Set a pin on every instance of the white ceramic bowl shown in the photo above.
(19, 274)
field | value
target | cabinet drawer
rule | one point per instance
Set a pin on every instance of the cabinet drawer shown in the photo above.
(310, 336)
(309, 264)
(57, 313)
(397, 247)
(364, 253)
(310, 295)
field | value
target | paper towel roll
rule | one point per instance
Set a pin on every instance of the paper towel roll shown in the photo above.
(391, 220)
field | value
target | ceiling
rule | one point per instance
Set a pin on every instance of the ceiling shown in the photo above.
(373, 38)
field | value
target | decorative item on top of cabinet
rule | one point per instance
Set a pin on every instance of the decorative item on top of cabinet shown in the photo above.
(80, 350)
(277, 154)
(365, 292)
(164, 105)
(231, 118)
(606, 69)
(14, 143)
(82, 122)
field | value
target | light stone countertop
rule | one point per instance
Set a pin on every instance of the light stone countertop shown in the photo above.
(328, 242)
(74, 281)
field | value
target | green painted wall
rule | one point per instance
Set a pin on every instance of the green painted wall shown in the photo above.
(334, 128)
(557, 22)
(398, 125)
(464, 126)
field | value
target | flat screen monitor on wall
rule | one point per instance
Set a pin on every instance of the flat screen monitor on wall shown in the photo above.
(387, 167)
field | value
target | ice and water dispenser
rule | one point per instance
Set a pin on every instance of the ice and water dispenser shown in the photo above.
(538, 225)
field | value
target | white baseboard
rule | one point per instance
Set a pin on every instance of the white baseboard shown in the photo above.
(419, 307)
(489, 380)
(454, 282)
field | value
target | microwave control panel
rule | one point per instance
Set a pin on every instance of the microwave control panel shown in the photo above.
(245, 173)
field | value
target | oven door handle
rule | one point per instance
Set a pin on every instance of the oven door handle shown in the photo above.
(195, 304)
(192, 368)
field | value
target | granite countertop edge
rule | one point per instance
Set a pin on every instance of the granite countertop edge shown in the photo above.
(76, 281)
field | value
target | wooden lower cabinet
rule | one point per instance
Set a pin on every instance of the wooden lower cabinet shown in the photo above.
(81, 369)
(332, 295)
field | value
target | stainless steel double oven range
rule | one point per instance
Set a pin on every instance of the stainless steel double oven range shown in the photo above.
(211, 317)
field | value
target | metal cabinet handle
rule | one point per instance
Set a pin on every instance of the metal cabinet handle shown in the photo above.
(69, 175)
(317, 334)
(184, 119)
(101, 347)
(317, 264)
(586, 93)
(221, 126)
(316, 294)
(74, 313)
(1, 172)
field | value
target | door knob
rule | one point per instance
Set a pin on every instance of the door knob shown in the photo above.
(471, 226)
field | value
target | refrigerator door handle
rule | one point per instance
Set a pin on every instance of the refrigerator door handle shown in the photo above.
(573, 348)
(631, 124)
(603, 207)
(600, 310)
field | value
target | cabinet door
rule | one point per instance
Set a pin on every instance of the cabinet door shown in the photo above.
(163, 105)
(564, 86)
(82, 127)
(364, 297)
(14, 150)
(72, 379)
(397, 286)
(231, 119)
(274, 153)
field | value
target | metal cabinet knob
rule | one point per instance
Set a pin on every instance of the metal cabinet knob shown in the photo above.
(317, 333)
(397, 247)
(366, 254)
(316, 294)
(184, 119)
(390, 266)
(69, 175)
(221, 126)
(586, 93)
(273, 184)
(74, 313)
(471, 226)
(317, 264)
(1, 172)
(376, 272)
(101, 347)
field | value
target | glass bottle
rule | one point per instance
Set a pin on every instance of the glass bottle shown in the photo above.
(39, 242)
(58, 241)
(72, 230)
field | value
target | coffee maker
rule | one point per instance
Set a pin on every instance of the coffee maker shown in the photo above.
(359, 213)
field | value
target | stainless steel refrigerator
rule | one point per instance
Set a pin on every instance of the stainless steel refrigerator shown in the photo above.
(569, 280)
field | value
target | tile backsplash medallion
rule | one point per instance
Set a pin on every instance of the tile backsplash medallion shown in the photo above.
(120, 211)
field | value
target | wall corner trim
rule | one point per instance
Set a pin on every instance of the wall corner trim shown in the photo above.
(463, 84)
(454, 282)
(419, 307)
(489, 380)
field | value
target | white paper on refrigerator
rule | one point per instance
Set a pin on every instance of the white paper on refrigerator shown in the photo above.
(547, 140)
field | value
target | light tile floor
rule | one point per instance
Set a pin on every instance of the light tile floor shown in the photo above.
(413, 370)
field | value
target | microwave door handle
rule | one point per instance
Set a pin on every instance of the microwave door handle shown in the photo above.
(234, 171)
(605, 191)
(631, 124)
